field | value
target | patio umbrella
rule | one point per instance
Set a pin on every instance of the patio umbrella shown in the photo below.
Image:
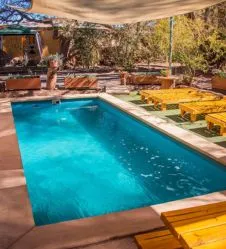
(118, 11)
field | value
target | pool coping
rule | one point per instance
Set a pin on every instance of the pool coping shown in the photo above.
(17, 228)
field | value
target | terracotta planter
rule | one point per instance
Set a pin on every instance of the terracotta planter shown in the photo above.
(52, 74)
(124, 78)
(144, 79)
(51, 78)
(80, 82)
(219, 83)
(23, 84)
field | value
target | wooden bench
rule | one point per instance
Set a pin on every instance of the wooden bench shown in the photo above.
(203, 107)
(202, 227)
(217, 119)
(162, 239)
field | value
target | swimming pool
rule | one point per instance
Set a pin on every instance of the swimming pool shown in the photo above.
(86, 158)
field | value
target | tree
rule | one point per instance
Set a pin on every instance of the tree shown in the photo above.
(197, 45)
(85, 42)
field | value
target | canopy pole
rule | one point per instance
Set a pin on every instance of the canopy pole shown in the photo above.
(171, 22)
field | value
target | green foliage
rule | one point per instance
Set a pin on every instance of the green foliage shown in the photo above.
(195, 45)
(199, 42)
(72, 76)
(85, 43)
(128, 44)
(164, 72)
(221, 74)
(18, 76)
(53, 57)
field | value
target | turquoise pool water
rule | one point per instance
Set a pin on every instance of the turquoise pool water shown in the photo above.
(86, 158)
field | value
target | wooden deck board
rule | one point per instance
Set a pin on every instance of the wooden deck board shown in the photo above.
(157, 240)
(201, 227)
(215, 245)
(205, 236)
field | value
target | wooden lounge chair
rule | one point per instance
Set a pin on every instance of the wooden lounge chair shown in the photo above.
(162, 239)
(217, 119)
(183, 97)
(202, 227)
(147, 94)
(203, 107)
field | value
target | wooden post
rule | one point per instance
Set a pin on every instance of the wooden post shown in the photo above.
(171, 45)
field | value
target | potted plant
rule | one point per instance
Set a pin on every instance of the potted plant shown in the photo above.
(23, 82)
(219, 80)
(73, 81)
(124, 76)
(53, 62)
(165, 72)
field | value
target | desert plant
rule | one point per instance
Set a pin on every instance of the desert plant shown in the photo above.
(220, 73)
(18, 76)
(72, 76)
(165, 72)
(45, 61)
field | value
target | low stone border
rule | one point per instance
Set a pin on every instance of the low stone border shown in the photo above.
(17, 228)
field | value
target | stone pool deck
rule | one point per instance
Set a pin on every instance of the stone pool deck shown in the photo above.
(17, 227)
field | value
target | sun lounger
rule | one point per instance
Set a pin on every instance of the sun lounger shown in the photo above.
(177, 98)
(202, 227)
(147, 94)
(162, 239)
(203, 107)
(217, 119)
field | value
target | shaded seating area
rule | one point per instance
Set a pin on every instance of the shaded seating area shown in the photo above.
(202, 227)
(203, 107)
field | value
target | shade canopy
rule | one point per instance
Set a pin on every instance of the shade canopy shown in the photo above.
(16, 30)
(118, 11)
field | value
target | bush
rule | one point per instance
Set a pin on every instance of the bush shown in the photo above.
(53, 57)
